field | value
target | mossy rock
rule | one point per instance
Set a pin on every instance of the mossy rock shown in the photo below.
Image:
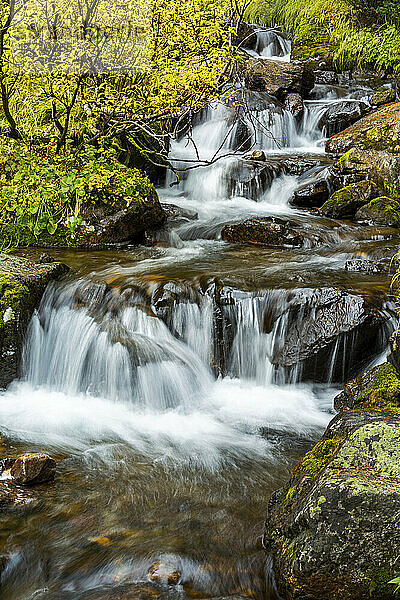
(383, 97)
(346, 202)
(377, 389)
(345, 490)
(378, 131)
(22, 284)
(380, 211)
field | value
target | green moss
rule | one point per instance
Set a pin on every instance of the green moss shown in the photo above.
(380, 577)
(344, 160)
(13, 297)
(317, 459)
(384, 392)
(346, 201)
(291, 493)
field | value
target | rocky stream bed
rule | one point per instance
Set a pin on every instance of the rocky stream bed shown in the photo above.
(158, 394)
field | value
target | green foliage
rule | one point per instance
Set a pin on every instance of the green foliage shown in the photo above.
(396, 582)
(41, 190)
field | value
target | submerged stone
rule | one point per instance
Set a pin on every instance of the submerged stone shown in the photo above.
(33, 468)
(163, 572)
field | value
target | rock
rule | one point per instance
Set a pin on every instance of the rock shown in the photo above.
(383, 97)
(45, 258)
(326, 77)
(268, 231)
(380, 211)
(311, 194)
(379, 131)
(377, 389)
(278, 78)
(258, 155)
(394, 356)
(341, 115)
(177, 213)
(294, 104)
(358, 265)
(33, 468)
(164, 572)
(22, 284)
(346, 202)
(346, 489)
(330, 318)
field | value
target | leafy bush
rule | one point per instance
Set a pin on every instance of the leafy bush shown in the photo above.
(41, 191)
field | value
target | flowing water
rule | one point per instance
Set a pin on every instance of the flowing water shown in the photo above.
(157, 375)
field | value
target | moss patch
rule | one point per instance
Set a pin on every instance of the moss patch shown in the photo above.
(384, 393)
(316, 460)
(13, 298)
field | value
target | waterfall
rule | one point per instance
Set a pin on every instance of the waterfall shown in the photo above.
(269, 44)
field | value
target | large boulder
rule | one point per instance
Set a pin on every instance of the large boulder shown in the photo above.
(379, 131)
(268, 231)
(313, 347)
(346, 202)
(278, 78)
(22, 284)
(333, 529)
(383, 97)
(341, 115)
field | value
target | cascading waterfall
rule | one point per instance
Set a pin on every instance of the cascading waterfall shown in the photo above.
(269, 43)
(177, 403)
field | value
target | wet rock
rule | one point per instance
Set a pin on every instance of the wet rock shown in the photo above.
(163, 572)
(311, 194)
(380, 211)
(326, 77)
(341, 115)
(383, 97)
(360, 265)
(176, 213)
(346, 489)
(22, 284)
(267, 231)
(294, 104)
(33, 468)
(278, 78)
(376, 389)
(127, 224)
(379, 131)
(330, 334)
(258, 155)
(346, 202)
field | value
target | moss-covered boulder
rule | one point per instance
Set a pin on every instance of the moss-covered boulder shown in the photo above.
(22, 284)
(377, 389)
(383, 97)
(346, 202)
(333, 530)
(380, 211)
